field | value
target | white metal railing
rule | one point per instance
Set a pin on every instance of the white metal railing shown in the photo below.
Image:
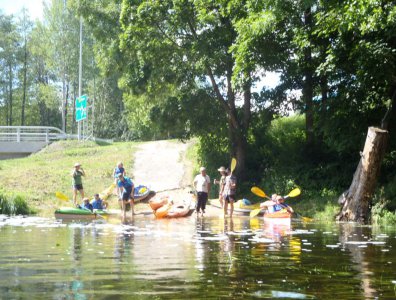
(30, 134)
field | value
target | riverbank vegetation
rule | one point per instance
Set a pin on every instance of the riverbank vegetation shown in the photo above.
(14, 204)
(182, 69)
(40, 175)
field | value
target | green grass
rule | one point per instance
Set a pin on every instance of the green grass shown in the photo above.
(40, 175)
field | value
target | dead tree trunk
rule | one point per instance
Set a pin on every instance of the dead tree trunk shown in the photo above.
(356, 204)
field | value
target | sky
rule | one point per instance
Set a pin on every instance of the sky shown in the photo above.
(35, 7)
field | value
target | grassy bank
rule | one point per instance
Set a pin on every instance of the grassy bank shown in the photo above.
(37, 177)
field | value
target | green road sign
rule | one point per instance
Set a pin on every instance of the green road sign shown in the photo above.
(81, 108)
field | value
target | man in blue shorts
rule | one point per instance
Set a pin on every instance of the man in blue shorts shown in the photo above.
(126, 187)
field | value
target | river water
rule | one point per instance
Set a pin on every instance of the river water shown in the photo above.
(211, 258)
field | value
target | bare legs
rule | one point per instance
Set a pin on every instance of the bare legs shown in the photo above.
(123, 207)
(231, 201)
(75, 195)
(221, 200)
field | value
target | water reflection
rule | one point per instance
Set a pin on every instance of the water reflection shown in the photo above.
(356, 239)
(195, 258)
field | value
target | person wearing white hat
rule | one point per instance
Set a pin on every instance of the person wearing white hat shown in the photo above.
(229, 192)
(202, 186)
(221, 183)
(77, 174)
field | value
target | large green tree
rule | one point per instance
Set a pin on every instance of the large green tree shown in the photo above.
(188, 44)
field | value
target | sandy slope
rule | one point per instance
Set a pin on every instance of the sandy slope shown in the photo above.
(162, 166)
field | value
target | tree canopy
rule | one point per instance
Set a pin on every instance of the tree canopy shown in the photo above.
(185, 68)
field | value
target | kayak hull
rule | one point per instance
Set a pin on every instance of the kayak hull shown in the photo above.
(156, 203)
(162, 208)
(238, 209)
(278, 215)
(141, 192)
(72, 213)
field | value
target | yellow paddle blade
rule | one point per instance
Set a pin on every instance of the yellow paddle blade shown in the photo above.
(61, 196)
(258, 192)
(103, 217)
(255, 212)
(233, 164)
(294, 193)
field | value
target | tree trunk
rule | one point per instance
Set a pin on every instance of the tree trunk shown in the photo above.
(10, 93)
(307, 89)
(238, 150)
(67, 97)
(63, 103)
(24, 85)
(356, 206)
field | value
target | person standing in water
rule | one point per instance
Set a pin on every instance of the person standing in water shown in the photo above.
(229, 193)
(221, 184)
(201, 184)
(127, 188)
(77, 174)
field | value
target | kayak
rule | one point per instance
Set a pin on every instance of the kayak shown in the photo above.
(156, 203)
(78, 213)
(179, 210)
(164, 208)
(281, 214)
(239, 207)
(141, 192)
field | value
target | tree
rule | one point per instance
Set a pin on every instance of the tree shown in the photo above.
(63, 31)
(9, 46)
(363, 51)
(24, 27)
(187, 44)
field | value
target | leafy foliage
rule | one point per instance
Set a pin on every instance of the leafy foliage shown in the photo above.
(11, 204)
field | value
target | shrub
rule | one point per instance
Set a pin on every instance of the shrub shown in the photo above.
(13, 204)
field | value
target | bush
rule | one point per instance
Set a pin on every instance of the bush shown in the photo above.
(12, 204)
(380, 215)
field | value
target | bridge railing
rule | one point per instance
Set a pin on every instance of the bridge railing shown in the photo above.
(31, 134)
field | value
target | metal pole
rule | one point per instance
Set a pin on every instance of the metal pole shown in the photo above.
(80, 77)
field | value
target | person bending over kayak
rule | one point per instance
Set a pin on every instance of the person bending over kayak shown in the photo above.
(127, 187)
(98, 203)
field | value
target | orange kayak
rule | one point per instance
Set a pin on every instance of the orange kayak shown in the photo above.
(180, 210)
(162, 211)
(157, 203)
(281, 214)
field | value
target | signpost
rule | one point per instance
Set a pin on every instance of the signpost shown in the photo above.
(81, 108)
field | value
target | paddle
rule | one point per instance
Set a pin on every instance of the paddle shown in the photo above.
(61, 196)
(259, 192)
(233, 164)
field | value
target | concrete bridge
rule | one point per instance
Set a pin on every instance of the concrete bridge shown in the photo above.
(19, 141)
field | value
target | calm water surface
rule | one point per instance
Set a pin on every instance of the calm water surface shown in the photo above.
(212, 258)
